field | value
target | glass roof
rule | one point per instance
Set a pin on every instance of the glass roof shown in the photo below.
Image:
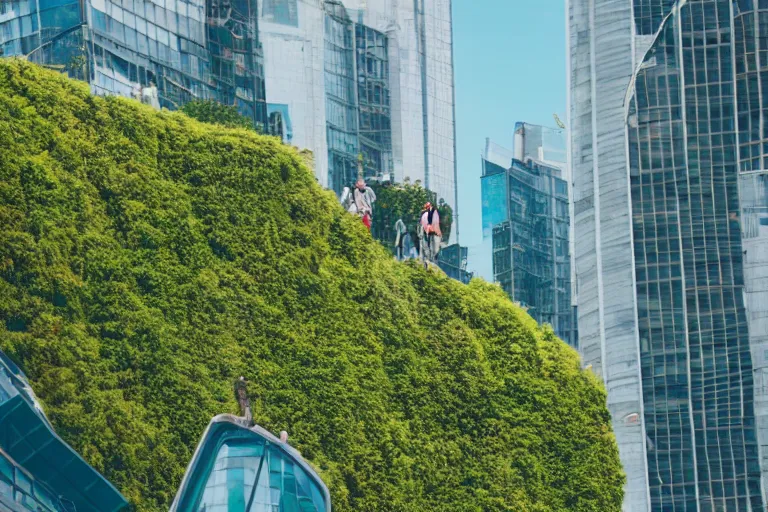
(37, 464)
(238, 468)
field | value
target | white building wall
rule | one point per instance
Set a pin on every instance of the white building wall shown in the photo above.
(411, 107)
(601, 66)
(294, 76)
(440, 94)
(754, 214)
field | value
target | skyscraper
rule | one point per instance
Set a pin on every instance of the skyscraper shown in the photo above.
(526, 218)
(370, 77)
(671, 219)
(167, 52)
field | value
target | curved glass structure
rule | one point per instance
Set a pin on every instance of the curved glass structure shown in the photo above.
(694, 345)
(39, 471)
(238, 468)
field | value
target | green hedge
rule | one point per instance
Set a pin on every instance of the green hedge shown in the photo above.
(211, 111)
(147, 260)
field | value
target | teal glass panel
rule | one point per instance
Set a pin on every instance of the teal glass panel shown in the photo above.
(6, 469)
(230, 484)
(37, 469)
(45, 497)
(494, 198)
(23, 482)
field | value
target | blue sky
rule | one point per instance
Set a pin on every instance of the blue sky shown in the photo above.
(509, 58)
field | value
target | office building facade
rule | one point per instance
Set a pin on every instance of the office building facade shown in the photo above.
(365, 77)
(671, 222)
(165, 52)
(526, 217)
(453, 261)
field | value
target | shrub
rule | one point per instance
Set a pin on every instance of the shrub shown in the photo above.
(148, 260)
(210, 111)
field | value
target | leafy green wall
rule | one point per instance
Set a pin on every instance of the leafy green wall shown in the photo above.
(210, 111)
(147, 260)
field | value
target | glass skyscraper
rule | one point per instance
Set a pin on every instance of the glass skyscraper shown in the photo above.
(525, 214)
(167, 52)
(669, 152)
(365, 77)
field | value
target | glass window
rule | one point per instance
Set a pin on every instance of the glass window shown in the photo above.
(23, 482)
(243, 471)
(6, 469)
(44, 496)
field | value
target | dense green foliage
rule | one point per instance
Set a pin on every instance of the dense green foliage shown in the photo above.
(147, 260)
(405, 201)
(210, 111)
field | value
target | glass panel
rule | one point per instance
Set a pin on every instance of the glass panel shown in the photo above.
(238, 470)
(284, 12)
(23, 482)
(6, 469)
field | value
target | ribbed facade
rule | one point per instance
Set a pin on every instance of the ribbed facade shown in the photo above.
(371, 77)
(671, 218)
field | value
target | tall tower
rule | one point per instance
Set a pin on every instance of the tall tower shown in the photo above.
(370, 77)
(671, 241)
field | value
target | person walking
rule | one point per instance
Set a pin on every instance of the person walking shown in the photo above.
(430, 234)
(364, 197)
(400, 233)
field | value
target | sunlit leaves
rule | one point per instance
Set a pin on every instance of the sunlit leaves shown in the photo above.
(148, 260)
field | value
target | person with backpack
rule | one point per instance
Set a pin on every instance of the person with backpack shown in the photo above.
(430, 233)
(364, 197)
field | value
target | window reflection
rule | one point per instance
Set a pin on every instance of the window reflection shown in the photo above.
(238, 469)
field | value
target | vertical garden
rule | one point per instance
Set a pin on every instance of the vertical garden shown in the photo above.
(147, 260)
